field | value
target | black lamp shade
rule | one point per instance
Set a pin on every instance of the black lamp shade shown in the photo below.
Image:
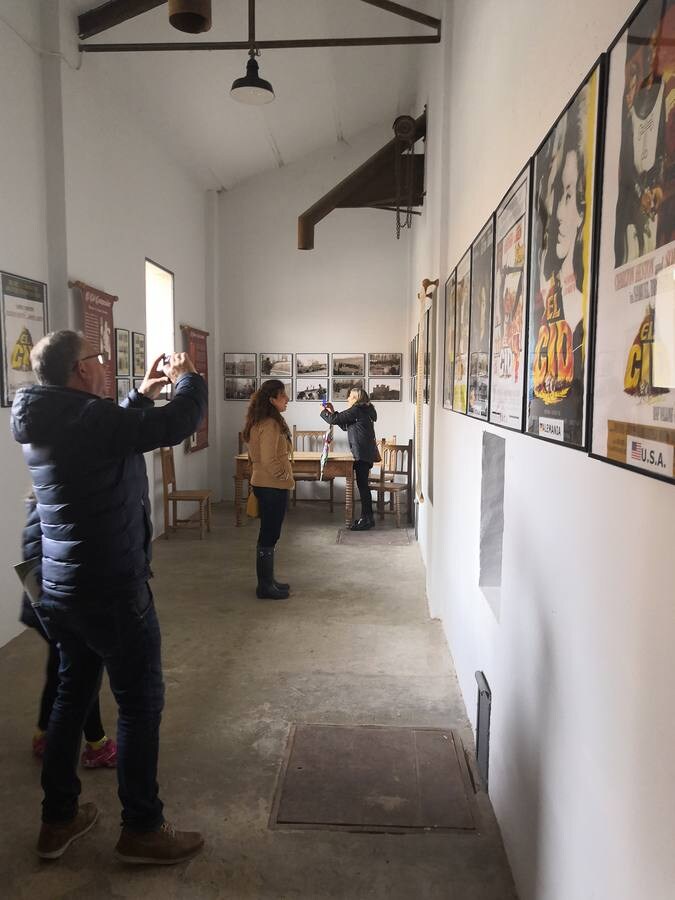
(252, 88)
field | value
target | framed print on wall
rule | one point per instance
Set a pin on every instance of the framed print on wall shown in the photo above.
(385, 364)
(342, 386)
(482, 258)
(276, 365)
(122, 355)
(24, 323)
(561, 270)
(449, 355)
(138, 347)
(634, 351)
(123, 388)
(313, 365)
(239, 365)
(462, 314)
(507, 376)
(349, 365)
(384, 389)
(240, 388)
(311, 390)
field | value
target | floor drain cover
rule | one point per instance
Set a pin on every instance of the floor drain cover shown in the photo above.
(374, 778)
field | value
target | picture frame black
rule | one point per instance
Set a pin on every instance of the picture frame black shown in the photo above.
(24, 322)
(480, 329)
(275, 365)
(138, 353)
(449, 339)
(632, 409)
(312, 365)
(348, 365)
(122, 353)
(240, 365)
(509, 303)
(562, 262)
(385, 365)
(239, 388)
(309, 390)
(385, 389)
(122, 388)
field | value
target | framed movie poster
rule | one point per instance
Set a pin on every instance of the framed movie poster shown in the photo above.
(507, 376)
(138, 348)
(482, 258)
(462, 316)
(561, 271)
(122, 357)
(24, 323)
(634, 357)
(449, 354)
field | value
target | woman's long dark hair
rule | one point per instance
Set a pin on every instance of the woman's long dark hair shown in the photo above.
(260, 408)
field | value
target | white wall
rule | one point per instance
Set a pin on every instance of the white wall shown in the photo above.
(580, 659)
(350, 294)
(23, 248)
(115, 197)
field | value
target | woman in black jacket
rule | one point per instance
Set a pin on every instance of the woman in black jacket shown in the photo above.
(357, 420)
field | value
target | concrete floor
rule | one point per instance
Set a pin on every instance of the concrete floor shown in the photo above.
(354, 644)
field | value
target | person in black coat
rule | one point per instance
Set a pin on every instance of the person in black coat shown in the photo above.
(85, 456)
(100, 750)
(357, 420)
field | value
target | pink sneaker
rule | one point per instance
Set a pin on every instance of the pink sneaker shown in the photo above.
(39, 744)
(103, 758)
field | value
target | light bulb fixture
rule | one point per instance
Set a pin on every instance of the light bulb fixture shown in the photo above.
(252, 89)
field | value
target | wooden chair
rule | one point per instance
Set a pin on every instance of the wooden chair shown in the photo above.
(395, 479)
(310, 441)
(174, 496)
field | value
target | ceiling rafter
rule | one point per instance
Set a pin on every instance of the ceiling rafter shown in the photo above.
(115, 12)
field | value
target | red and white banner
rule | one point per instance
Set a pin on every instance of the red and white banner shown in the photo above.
(99, 329)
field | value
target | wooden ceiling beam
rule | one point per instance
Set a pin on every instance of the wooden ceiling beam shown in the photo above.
(398, 9)
(94, 21)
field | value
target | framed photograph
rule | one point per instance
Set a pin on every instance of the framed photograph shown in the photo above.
(239, 365)
(24, 323)
(311, 389)
(240, 388)
(137, 383)
(633, 412)
(449, 340)
(561, 271)
(462, 317)
(123, 387)
(385, 364)
(342, 386)
(349, 365)
(276, 365)
(314, 365)
(138, 345)
(288, 385)
(507, 377)
(122, 354)
(482, 259)
(384, 389)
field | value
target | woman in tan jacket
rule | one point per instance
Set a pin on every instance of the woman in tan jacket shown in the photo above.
(269, 447)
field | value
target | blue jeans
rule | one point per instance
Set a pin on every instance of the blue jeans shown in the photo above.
(120, 633)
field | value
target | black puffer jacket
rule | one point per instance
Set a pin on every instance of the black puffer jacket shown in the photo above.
(31, 546)
(357, 421)
(89, 478)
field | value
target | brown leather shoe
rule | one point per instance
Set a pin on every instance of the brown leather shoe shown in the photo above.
(160, 848)
(54, 840)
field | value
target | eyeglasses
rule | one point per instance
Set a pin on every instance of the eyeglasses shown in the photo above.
(101, 357)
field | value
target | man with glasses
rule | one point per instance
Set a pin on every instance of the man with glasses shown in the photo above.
(85, 456)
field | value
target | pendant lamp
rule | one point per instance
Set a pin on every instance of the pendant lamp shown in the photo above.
(252, 89)
(190, 16)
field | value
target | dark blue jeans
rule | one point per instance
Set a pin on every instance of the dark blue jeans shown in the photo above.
(273, 503)
(120, 633)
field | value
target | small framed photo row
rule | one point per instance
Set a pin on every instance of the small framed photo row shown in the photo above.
(311, 365)
(123, 387)
(385, 364)
(276, 365)
(239, 365)
(342, 387)
(349, 365)
(311, 390)
(122, 356)
(240, 388)
(384, 389)
(138, 348)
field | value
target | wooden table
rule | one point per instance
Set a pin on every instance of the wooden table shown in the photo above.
(338, 465)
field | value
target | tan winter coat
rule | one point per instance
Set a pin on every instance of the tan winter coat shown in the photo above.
(269, 450)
